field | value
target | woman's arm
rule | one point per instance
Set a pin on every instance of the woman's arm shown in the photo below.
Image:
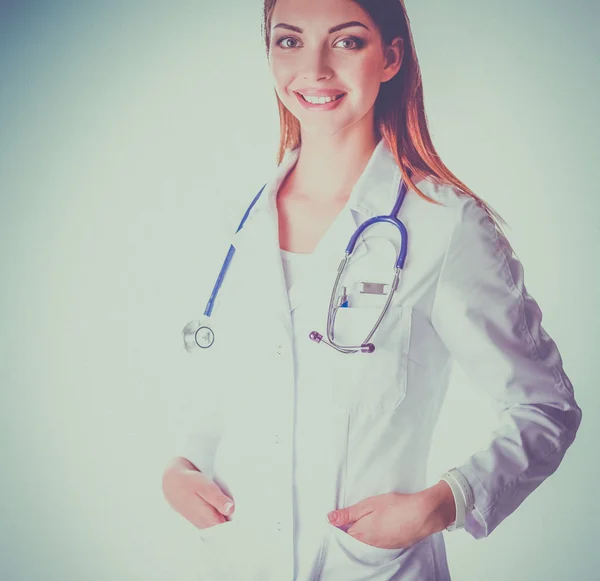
(492, 327)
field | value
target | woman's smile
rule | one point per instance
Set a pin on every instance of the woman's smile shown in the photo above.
(320, 103)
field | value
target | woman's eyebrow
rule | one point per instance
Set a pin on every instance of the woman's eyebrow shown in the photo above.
(331, 30)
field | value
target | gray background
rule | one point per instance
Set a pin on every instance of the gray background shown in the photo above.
(130, 133)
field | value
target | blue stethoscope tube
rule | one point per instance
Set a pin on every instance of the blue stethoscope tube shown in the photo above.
(365, 346)
(228, 258)
(199, 334)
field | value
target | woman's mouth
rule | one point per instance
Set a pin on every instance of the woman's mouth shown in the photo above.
(320, 103)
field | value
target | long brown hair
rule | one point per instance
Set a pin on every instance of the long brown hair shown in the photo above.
(399, 109)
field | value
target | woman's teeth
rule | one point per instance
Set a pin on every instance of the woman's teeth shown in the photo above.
(321, 100)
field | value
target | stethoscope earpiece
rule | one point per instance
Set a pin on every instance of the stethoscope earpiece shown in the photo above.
(364, 348)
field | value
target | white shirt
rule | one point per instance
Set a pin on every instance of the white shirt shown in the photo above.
(291, 429)
(294, 266)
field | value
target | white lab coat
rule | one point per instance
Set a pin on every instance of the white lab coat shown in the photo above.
(303, 426)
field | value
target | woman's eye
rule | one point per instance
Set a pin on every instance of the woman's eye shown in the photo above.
(355, 43)
(283, 42)
(352, 43)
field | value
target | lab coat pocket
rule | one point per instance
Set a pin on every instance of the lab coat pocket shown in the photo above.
(236, 550)
(220, 551)
(371, 381)
(345, 557)
(209, 534)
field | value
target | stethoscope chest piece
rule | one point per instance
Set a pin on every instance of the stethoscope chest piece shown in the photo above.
(197, 334)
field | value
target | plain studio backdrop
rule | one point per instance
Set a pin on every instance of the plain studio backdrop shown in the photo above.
(132, 135)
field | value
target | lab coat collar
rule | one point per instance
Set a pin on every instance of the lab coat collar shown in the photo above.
(373, 194)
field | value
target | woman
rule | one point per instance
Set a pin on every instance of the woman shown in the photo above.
(292, 430)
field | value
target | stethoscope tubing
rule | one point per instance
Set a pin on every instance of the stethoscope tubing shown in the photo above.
(217, 287)
(365, 347)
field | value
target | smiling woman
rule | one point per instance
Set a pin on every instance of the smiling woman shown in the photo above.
(391, 103)
(297, 430)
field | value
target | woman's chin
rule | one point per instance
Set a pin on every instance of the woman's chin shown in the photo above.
(320, 127)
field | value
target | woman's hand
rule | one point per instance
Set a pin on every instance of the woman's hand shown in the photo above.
(193, 495)
(395, 520)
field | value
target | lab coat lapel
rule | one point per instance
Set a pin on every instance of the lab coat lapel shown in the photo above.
(257, 244)
(373, 194)
(258, 240)
(326, 259)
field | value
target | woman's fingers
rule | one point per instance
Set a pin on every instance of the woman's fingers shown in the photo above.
(201, 514)
(209, 491)
(194, 496)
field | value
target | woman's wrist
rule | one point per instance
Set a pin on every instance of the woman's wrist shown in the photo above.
(440, 507)
(179, 462)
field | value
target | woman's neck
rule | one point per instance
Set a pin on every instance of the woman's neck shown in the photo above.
(329, 166)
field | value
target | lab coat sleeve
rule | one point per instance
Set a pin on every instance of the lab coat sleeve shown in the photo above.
(492, 328)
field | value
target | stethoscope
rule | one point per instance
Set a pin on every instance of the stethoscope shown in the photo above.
(198, 334)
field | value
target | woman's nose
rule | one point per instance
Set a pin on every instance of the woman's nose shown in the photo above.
(316, 66)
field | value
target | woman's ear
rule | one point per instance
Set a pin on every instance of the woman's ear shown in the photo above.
(393, 59)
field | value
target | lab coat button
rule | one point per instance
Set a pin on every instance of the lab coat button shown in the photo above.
(279, 526)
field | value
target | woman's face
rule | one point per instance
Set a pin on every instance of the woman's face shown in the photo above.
(328, 49)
